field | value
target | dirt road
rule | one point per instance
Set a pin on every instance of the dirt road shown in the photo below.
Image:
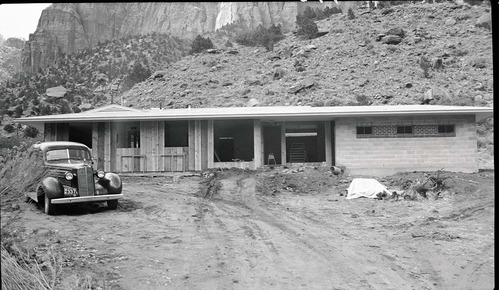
(165, 236)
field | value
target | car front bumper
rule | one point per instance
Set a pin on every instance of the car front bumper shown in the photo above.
(94, 198)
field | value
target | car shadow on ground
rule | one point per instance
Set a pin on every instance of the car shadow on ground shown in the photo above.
(124, 205)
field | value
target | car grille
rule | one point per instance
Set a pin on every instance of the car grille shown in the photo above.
(85, 181)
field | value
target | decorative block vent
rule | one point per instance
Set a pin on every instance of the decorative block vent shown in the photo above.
(390, 131)
(425, 129)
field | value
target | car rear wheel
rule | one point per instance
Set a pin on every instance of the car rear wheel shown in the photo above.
(112, 204)
(48, 207)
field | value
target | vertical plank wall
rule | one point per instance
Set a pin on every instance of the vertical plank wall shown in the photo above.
(98, 133)
(56, 132)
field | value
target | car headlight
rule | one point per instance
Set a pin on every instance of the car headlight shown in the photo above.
(100, 174)
(68, 176)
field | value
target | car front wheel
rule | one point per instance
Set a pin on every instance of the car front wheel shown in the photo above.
(49, 207)
(112, 204)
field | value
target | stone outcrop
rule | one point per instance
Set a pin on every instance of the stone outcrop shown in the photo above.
(69, 27)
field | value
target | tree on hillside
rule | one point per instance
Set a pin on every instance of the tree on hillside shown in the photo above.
(137, 74)
(31, 132)
(307, 28)
(261, 36)
(199, 44)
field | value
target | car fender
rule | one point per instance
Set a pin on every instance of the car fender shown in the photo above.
(52, 187)
(112, 182)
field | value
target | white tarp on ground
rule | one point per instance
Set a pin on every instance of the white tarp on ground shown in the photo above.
(365, 187)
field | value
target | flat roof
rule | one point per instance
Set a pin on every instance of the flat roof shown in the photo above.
(120, 113)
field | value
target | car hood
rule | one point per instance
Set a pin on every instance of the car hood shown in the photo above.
(67, 166)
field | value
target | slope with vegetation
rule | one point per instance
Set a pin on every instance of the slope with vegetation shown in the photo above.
(10, 57)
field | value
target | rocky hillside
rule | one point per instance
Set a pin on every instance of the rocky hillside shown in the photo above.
(70, 27)
(90, 78)
(407, 54)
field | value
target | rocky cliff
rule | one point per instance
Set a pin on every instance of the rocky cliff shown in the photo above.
(69, 27)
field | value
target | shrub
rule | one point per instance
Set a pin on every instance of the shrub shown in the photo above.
(307, 28)
(350, 14)
(261, 36)
(425, 65)
(18, 111)
(137, 74)
(199, 44)
(9, 128)
(31, 132)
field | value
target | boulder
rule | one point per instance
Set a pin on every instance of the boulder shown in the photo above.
(309, 47)
(253, 81)
(391, 39)
(158, 74)
(484, 21)
(427, 97)
(56, 92)
(396, 31)
(85, 106)
(279, 73)
(450, 22)
(305, 84)
(386, 11)
(252, 103)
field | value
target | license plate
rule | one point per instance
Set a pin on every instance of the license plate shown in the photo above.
(69, 191)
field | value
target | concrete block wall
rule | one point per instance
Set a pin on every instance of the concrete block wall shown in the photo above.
(381, 156)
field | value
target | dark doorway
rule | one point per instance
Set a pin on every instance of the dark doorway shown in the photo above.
(272, 143)
(305, 142)
(233, 141)
(81, 133)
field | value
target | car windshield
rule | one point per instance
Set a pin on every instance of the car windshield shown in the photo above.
(68, 155)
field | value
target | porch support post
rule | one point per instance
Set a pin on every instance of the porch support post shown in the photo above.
(329, 148)
(257, 143)
(210, 144)
(95, 143)
(283, 143)
(197, 144)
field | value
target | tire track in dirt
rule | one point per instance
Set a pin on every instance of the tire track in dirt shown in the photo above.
(299, 250)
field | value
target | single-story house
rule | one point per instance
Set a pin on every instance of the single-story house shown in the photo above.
(374, 140)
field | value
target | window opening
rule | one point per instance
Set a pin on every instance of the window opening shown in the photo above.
(128, 135)
(176, 134)
(404, 129)
(364, 130)
(445, 129)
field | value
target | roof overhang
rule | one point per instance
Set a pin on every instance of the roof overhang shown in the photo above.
(278, 113)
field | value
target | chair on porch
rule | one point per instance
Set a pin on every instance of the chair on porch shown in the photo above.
(271, 157)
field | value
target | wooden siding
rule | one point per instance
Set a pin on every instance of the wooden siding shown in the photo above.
(130, 160)
(56, 132)
(174, 159)
(192, 145)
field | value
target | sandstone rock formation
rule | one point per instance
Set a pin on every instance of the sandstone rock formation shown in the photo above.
(70, 27)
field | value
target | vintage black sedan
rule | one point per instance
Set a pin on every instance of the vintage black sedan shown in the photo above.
(72, 178)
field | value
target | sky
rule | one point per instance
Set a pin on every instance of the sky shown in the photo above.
(19, 20)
